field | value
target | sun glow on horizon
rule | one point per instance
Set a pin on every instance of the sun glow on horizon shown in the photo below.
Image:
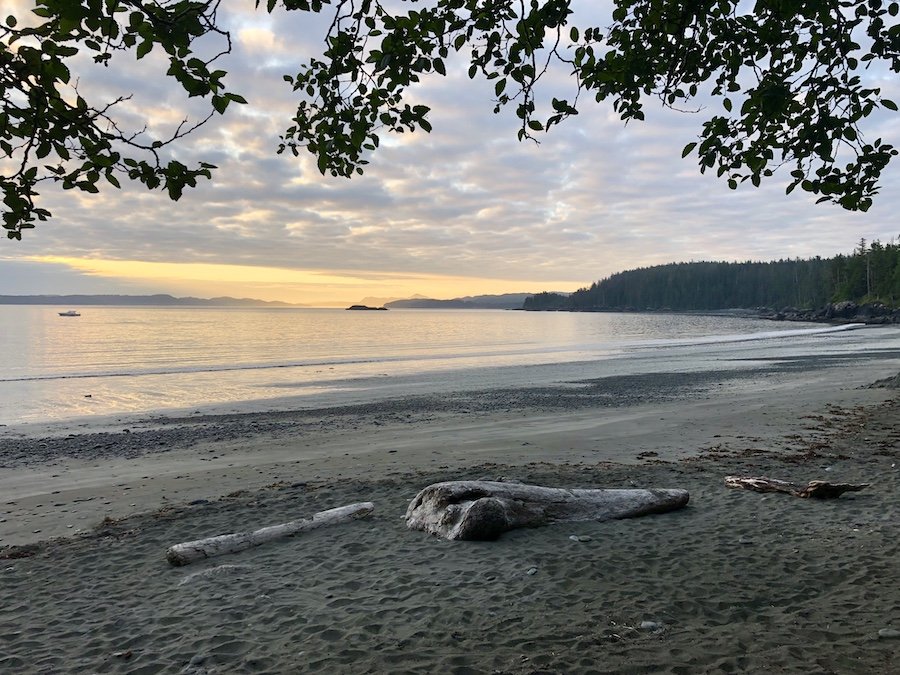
(324, 288)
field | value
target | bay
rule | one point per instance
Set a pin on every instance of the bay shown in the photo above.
(117, 360)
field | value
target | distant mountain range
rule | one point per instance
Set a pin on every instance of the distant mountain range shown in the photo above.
(503, 301)
(161, 300)
(372, 301)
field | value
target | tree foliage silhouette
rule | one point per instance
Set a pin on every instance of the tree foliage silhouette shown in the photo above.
(793, 82)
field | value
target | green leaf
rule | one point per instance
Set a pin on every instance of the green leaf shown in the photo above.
(144, 49)
(889, 104)
(688, 149)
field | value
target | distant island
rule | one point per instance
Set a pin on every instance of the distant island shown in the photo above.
(366, 308)
(159, 300)
(503, 301)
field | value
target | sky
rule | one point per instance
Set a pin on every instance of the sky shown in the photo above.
(464, 210)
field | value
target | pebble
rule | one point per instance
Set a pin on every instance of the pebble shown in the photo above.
(531, 571)
(887, 633)
(651, 626)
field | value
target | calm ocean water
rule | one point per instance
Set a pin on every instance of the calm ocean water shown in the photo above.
(115, 360)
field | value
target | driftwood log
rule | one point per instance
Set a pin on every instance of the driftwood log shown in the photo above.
(191, 551)
(815, 489)
(483, 510)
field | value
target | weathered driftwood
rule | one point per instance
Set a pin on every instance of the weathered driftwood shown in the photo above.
(191, 551)
(816, 489)
(483, 510)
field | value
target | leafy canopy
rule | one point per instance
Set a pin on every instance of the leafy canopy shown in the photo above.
(783, 82)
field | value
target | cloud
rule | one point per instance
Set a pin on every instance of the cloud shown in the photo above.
(467, 201)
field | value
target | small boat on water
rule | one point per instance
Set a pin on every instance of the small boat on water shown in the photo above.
(71, 312)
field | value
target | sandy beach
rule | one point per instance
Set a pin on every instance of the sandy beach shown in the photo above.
(736, 582)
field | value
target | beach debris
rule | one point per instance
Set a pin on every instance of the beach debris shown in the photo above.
(815, 489)
(191, 551)
(892, 382)
(651, 626)
(19, 552)
(209, 572)
(483, 510)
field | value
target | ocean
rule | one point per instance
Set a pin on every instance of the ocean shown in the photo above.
(142, 360)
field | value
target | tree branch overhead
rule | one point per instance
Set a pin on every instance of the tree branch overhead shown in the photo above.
(791, 84)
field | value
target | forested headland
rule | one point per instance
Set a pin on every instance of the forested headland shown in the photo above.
(870, 275)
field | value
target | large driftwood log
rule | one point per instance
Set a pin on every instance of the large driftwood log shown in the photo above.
(191, 551)
(815, 489)
(483, 510)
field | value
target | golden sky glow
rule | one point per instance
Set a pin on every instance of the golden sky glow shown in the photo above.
(310, 287)
(463, 210)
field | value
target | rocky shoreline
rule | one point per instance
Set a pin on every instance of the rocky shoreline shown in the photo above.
(870, 313)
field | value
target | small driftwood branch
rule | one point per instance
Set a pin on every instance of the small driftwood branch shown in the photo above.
(191, 551)
(816, 489)
(483, 510)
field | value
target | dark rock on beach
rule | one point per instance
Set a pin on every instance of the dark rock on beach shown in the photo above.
(874, 313)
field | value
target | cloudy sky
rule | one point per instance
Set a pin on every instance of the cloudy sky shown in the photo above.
(466, 209)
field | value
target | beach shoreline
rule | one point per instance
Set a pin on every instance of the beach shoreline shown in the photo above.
(737, 581)
(62, 479)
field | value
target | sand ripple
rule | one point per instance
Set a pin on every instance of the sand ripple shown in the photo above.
(737, 582)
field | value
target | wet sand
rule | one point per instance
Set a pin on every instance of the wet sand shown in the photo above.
(736, 582)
